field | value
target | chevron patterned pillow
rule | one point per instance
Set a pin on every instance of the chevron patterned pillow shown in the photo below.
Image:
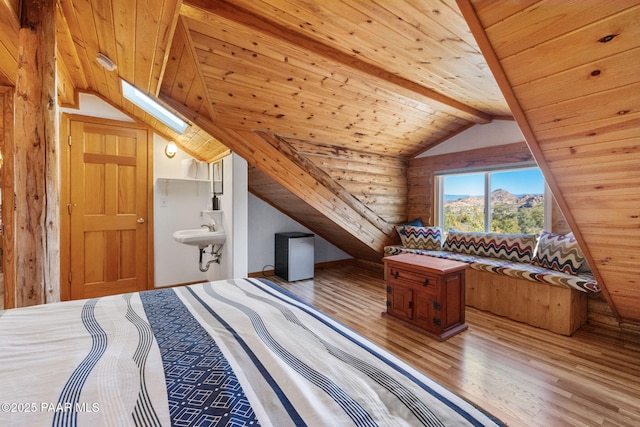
(512, 247)
(428, 238)
(559, 252)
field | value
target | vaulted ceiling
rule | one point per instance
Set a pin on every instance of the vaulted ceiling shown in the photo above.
(328, 100)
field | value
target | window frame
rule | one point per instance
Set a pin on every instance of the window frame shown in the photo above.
(487, 171)
(153, 107)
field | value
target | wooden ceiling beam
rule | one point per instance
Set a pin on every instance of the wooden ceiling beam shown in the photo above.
(200, 10)
(68, 52)
(9, 26)
(182, 26)
(269, 154)
(163, 46)
(469, 13)
(323, 178)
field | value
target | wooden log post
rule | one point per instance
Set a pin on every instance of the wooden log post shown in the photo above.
(36, 158)
(8, 214)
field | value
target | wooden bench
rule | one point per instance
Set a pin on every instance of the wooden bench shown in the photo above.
(559, 310)
(505, 280)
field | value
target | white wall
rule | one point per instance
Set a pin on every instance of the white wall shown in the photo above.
(498, 132)
(92, 106)
(264, 222)
(250, 223)
(238, 177)
(178, 206)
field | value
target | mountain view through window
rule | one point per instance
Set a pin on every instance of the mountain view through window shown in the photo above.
(515, 199)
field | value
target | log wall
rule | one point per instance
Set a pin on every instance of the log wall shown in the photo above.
(421, 178)
(377, 181)
(421, 173)
(374, 185)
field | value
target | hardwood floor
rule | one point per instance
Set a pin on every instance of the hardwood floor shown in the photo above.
(520, 374)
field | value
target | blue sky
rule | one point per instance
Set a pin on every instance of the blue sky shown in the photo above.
(523, 181)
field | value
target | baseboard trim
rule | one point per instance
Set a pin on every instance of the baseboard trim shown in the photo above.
(320, 265)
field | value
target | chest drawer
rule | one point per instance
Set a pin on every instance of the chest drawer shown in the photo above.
(411, 277)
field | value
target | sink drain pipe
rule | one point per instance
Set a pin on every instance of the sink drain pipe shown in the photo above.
(215, 253)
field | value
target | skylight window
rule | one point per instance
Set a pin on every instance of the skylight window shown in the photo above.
(143, 101)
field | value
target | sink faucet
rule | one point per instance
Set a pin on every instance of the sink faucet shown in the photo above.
(211, 227)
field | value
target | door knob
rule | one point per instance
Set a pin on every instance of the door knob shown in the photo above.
(140, 220)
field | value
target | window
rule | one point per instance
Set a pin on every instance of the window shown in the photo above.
(499, 201)
(134, 95)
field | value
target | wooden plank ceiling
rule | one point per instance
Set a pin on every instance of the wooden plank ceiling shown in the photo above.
(337, 96)
(571, 74)
(328, 100)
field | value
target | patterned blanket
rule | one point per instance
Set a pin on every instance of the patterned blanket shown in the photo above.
(236, 352)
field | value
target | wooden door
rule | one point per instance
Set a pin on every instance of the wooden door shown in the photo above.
(108, 209)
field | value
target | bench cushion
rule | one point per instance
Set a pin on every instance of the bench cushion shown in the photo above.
(528, 271)
(510, 247)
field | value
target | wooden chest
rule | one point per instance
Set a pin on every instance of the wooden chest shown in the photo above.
(426, 293)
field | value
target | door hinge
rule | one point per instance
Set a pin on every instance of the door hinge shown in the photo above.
(69, 140)
(388, 289)
(69, 277)
(436, 305)
(436, 321)
(410, 304)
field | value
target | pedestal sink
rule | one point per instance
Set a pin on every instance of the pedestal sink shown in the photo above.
(200, 237)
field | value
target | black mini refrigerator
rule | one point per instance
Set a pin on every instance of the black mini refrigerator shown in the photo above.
(294, 256)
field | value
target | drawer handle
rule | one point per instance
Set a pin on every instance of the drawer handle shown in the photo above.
(426, 281)
(396, 274)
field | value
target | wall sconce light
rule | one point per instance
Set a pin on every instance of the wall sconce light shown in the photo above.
(170, 150)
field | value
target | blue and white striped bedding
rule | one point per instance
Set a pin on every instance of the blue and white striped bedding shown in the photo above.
(235, 352)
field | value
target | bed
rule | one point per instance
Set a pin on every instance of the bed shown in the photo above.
(233, 353)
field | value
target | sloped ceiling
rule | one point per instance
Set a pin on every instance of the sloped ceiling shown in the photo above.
(353, 79)
(327, 100)
(570, 74)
